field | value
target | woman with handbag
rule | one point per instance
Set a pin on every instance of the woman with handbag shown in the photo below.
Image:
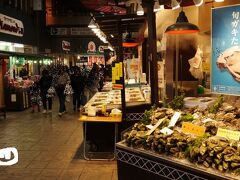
(45, 83)
(62, 80)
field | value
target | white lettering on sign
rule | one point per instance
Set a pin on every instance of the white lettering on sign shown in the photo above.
(6, 154)
(9, 25)
(235, 25)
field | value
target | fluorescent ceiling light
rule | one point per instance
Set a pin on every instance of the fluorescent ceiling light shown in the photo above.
(140, 10)
(95, 29)
(219, 0)
(3, 43)
(175, 4)
(18, 45)
(92, 24)
(198, 2)
(157, 7)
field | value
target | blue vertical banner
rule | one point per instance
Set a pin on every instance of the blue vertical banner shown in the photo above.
(225, 64)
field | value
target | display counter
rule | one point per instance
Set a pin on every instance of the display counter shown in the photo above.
(135, 163)
(100, 135)
(17, 99)
(135, 96)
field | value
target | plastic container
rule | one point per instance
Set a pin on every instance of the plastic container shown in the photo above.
(91, 111)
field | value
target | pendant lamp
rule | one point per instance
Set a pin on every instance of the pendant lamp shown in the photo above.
(92, 24)
(129, 42)
(182, 26)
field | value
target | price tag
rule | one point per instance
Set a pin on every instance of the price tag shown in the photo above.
(166, 131)
(193, 129)
(149, 126)
(174, 119)
(234, 135)
(155, 126)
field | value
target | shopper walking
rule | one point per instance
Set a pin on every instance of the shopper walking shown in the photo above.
(101, 76)
(92, 83)
(62, 80)
(77, 83)
(35, 96)
(45, 83)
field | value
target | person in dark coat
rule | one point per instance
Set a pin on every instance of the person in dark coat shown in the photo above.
(45, 83)
(62, 80)
(77, 83)
(92, 83)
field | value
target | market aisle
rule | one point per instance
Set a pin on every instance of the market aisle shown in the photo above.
(46, 145)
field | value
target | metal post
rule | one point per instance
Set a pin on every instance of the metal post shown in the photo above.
(176, 66)
(152, 36)
(120, 59)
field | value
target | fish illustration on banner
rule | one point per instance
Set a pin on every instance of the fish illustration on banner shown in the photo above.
(225, 66)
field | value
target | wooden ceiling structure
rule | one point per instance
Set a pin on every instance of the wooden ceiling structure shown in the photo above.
(129, 22)
(115, 25)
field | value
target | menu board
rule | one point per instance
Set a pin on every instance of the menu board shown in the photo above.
(225, 66)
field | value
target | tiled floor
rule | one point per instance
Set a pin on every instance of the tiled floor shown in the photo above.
(46, 145)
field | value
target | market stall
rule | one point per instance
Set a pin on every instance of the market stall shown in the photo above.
(102, 114)
(198, 142)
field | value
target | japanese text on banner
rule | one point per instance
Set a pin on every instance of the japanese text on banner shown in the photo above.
(235, 27)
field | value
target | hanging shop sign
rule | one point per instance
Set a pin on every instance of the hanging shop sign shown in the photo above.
(225, 65)
(98, 59)
(66, 45)
(9, 25)
(91, 47)
(101, 48)
(71, 31)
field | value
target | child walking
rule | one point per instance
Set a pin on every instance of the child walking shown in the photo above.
(35, 96)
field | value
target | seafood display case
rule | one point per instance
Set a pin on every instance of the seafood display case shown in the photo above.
(198, 142)
(112, 99)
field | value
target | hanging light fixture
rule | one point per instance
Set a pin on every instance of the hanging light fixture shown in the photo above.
(198, 2)
(129, 41)
(157, 7)
(219, 0)
(182, 26)
(92, 24)
(140, 10)
(175, 4)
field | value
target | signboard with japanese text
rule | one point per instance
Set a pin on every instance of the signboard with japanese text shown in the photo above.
(9, 25)
(225, 65)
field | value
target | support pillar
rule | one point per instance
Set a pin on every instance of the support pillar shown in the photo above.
(152, 39)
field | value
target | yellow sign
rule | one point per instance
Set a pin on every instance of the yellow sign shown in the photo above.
(234, 135)
(113, 75)
(120, 69)
(193, 129)
(117, 71)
